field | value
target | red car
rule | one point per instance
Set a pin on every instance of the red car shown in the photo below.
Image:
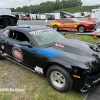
(26, 18)
(93, 20)
(72, 24)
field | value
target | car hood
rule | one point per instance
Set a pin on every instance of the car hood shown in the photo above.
(7, 20)
(86, 22)
(74, 46)
(84, 54)
(78, 50)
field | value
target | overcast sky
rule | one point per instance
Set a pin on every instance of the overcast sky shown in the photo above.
(21, 3)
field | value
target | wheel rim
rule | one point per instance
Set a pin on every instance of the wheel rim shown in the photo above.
(81, 29)
(55, 28)
(57, 79)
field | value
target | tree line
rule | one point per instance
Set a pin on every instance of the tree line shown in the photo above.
(81, 9)
(49, 6)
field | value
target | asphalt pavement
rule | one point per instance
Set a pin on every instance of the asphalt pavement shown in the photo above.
(94, 94)
(40, 22)
(34, 22)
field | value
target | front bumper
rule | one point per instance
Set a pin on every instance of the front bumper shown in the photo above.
(89, 28)
(91, 83)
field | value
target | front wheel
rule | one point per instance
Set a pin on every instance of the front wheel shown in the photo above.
(55, 27)
(59, 78)
(81, 29)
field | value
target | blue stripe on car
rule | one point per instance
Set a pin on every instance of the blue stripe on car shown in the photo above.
(47, 52)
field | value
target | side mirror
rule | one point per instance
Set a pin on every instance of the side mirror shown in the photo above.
(25, 43)
(64, 33)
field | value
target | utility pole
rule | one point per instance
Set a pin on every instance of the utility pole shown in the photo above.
(30, 6)
(62, 7)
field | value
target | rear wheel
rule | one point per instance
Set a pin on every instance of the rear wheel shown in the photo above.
(59, 78)
(55, 27)
(81, 29)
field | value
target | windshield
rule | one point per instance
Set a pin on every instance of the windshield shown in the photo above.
(94, 20)
(47, 36)
(75, 20)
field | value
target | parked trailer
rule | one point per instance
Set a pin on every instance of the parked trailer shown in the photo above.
(57, 16)
(99, 14)
(43, 16)
(21, 16)
(33, 16)
(94, 13)
(49, 16)
(87, 14)
(77, 15)
(64, 14)
(5, 11)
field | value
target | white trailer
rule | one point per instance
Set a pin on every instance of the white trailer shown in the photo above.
(94, 13)
(21, 16)
(57, 16)
(52, 14)
(77, 15)
(43, 16)
(5, 11)
(33, 16)
(86, 14)
(99, 14)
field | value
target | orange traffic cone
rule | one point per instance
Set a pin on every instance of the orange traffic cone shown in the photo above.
(95, 36)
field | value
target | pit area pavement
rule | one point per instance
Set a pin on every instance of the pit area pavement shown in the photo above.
(88, 33)
(93, 94)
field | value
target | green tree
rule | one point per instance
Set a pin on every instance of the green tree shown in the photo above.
(49, 6)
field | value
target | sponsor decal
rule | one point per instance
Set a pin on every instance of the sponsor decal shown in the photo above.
(68, 29)
(65, 25)
(17, 53)
(38, 69)
(6, 33)
(5, 54)
(59, 45)
(37, 33)
(2, 46)
(69, 26)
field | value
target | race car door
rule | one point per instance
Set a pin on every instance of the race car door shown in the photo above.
(20, 53)
(66, 24)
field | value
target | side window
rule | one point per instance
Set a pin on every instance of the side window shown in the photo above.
(67, 20)
(18, 35)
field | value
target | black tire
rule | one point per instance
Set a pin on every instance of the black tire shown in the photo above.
(64, 76)
(55, 27)
(81, 29)
(1, 56)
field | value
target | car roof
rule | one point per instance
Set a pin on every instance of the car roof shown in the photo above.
(30, 28)
(64, 18)
(67, 18)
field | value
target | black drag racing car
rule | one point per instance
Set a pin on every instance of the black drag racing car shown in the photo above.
(42, 49)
